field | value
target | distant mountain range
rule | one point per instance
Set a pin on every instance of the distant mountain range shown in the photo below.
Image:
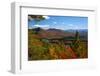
(82, 32)
(58, 33)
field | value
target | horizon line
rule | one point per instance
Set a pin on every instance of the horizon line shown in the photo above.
(61, 29)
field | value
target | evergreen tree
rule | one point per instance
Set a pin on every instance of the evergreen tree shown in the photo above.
(79, 47)
(36, 18)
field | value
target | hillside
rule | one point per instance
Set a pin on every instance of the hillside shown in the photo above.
(57, 33)
(47, 44)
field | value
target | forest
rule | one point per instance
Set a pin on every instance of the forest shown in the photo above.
(44, 47)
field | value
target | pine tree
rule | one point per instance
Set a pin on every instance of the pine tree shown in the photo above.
(79, 47)
(76, 41)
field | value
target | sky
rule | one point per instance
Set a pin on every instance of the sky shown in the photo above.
(60, 22)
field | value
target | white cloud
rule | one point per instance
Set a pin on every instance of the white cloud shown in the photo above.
(41, 26)
(46, 17)
(71, 25)
(76, 27)
(63, 23)
(55, 22)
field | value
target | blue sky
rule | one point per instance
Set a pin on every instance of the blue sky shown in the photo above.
(61, 22)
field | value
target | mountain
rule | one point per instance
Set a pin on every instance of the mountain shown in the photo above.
(52, 33)
(82, 32)
(54, 30)
(57, 33)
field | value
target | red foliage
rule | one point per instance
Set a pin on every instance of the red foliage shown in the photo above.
(72, 53)
(63, 55)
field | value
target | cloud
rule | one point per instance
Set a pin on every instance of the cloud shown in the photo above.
(46, 17)
(63, 23)
(71, 25)
(55, 22)
(43, 26)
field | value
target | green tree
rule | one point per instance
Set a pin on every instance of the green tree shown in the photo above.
(79, 47)
(37, 18)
